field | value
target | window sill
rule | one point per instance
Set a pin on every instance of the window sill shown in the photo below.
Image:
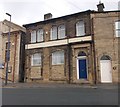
(36, 42)
(58, 65)
(58, 39)
(36, 78)
(35, 65)
(80, 35)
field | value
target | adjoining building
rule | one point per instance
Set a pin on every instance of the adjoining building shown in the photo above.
(17, 46)
(106, 30)
(77, 48)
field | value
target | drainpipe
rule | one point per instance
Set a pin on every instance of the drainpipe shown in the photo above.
(14, 57)
(94, 52)
(69, 55)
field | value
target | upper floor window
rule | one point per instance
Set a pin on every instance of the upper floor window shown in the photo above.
(53, 34)
(33, 36)
(58, 58)
(80, 28)
(40, 34)
(61, 31)
(117, 29)
(36, 59)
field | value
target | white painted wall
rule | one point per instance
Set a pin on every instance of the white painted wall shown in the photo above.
(58, 42)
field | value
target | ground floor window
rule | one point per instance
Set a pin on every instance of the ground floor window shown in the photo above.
(58, 58)
(36, 59)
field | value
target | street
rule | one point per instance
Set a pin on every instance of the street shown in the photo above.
(60, 96)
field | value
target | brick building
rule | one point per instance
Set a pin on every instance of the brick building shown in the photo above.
(16, 50)
(77, 48)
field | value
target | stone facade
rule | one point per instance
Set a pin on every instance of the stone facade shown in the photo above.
(80, 52)
(16, 46)
(70, 45)
(106, 42)
(0, 43)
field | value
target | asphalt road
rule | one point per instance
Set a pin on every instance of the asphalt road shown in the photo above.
(59, 96)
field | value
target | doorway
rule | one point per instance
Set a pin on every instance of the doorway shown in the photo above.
(106, 69)
(82, 66)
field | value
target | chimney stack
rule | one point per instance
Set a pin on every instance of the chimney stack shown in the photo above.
(47, 16)
(100, 7)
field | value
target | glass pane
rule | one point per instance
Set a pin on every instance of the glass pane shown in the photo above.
(61, 31)
(53, 33)
(40, 35)
(117, 33)
(33, 36)
(7, 55)
(36, 59)
(8, 45)
(117, 25)
(58, 58)
(105, 57)
(54, 60)
(80, 29)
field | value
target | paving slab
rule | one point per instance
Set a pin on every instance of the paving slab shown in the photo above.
(54, 85)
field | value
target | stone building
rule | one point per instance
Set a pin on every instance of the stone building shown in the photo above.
(55, 48)
(16, 50)
(77, 48)
(106, 30)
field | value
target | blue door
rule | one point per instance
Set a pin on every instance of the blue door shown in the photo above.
(82, 69)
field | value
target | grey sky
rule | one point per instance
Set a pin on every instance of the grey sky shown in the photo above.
(29, 11)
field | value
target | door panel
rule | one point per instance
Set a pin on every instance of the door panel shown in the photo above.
(106, 73)
(82, 69)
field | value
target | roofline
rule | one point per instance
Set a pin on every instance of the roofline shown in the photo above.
(17, 31)
(106, 11)
(83, 12)
(21, 27)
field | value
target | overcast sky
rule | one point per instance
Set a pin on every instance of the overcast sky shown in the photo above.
(30, 11)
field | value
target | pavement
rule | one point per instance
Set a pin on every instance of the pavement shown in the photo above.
(60, 85)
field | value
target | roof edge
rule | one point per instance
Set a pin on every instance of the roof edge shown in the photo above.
(87, 11)
(83, 12)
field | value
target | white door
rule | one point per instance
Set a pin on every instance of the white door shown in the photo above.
(106, 71)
